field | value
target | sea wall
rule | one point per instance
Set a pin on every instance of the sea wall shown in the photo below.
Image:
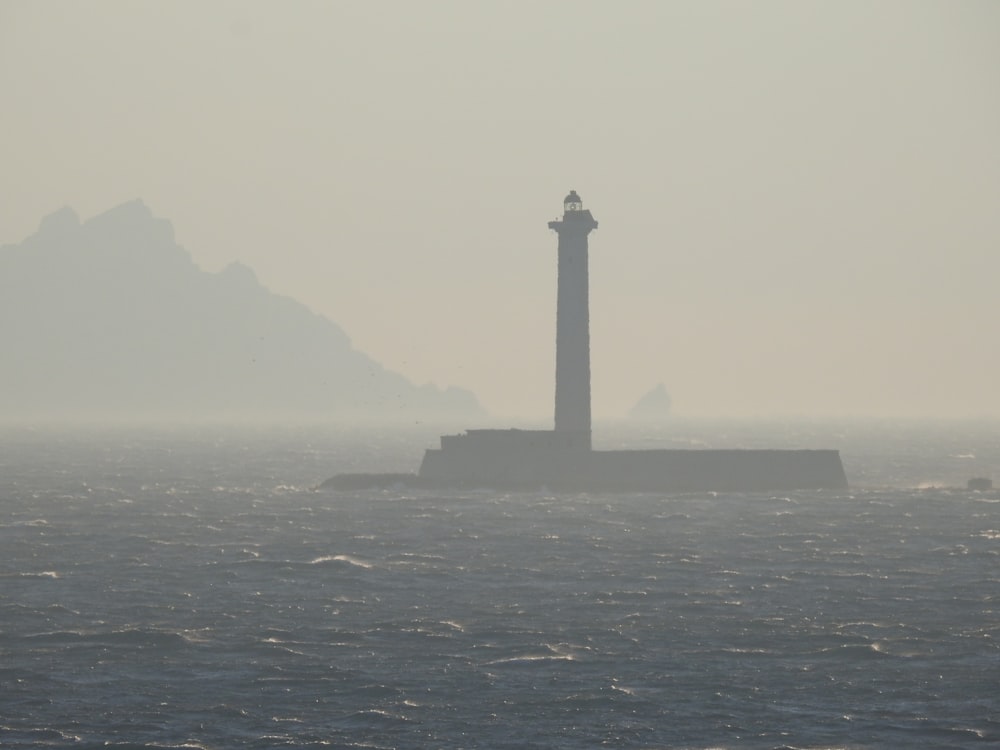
(505, 458)
(525, 458)
(717, 470)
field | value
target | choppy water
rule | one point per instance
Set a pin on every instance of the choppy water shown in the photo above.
(193, 590)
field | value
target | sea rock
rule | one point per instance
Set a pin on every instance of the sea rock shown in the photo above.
(653, 406)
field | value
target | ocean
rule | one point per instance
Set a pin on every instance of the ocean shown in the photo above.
(190, 588)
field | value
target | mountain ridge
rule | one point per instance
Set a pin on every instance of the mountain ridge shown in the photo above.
(111, 317)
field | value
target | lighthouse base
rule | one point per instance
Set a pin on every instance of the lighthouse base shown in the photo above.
(535, 459)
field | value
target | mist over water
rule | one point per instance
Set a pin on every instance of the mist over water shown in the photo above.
(170, 587)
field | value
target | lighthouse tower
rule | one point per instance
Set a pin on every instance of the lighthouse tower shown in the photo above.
(573, 323)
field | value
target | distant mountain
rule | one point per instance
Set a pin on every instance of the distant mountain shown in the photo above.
(110, 317)
(653, 406)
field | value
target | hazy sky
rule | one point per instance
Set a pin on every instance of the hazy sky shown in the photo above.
(799, 201)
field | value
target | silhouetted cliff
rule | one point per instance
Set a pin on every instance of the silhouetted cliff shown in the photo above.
(111, 317)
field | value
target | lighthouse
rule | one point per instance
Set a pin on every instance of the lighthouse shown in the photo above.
(563, 460)
(572, 414)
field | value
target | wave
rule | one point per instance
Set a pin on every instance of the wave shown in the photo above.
(24, 524)
(39, 574)
(342, 558)
(530, 659)
(134, 637)
(138, 746)
(36, 736)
